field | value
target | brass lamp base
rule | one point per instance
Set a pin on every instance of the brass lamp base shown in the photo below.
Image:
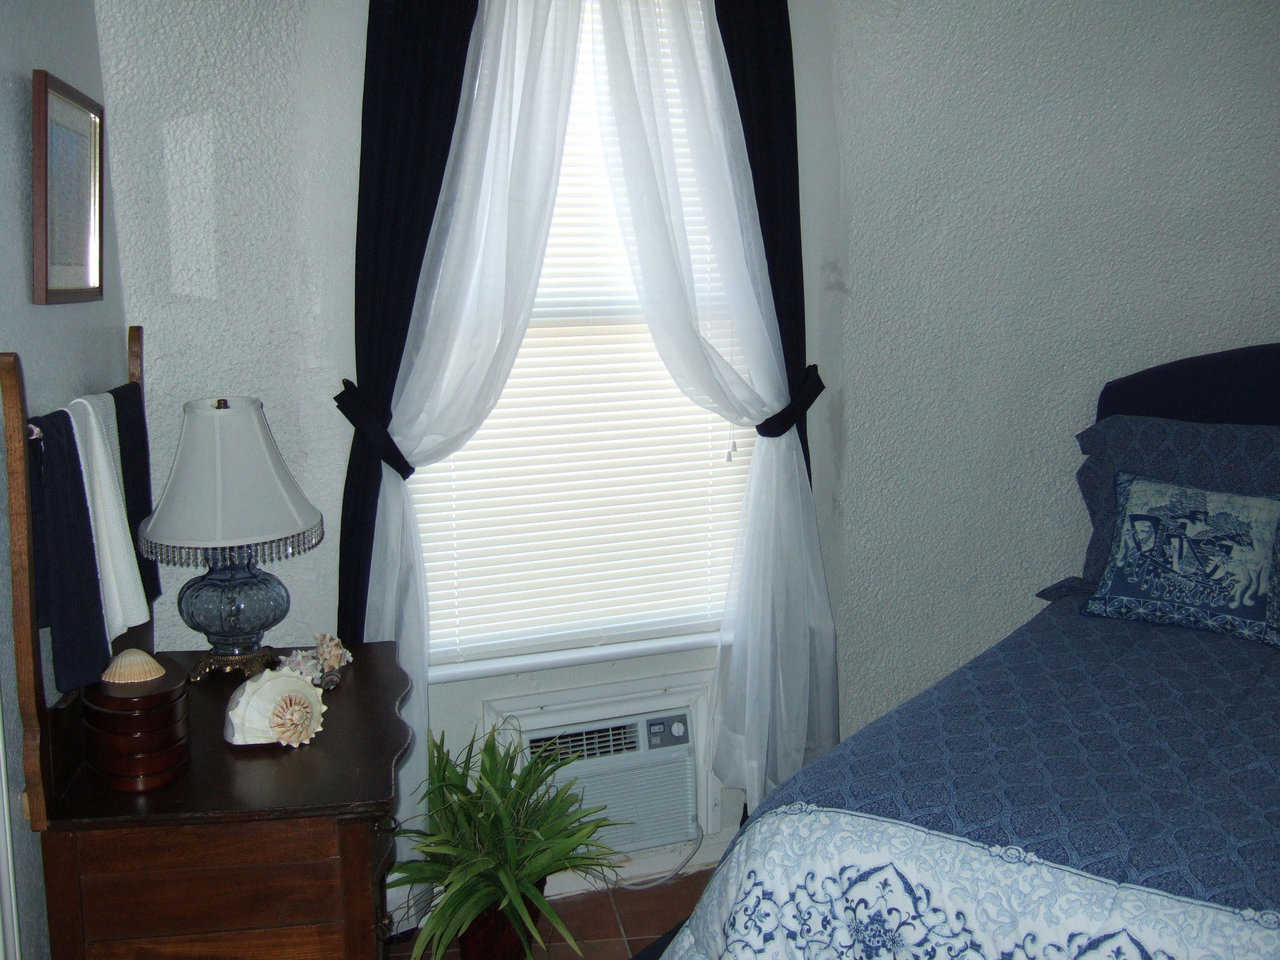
(250, 664)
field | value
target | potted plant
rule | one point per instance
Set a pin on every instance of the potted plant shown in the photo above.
(494, 831)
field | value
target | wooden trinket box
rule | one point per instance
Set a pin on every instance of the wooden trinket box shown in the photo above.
(136, 733)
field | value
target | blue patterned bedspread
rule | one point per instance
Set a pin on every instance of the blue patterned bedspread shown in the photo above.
(1109, 781)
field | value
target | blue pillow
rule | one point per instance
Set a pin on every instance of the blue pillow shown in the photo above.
(1229, 457)
(1192, 557)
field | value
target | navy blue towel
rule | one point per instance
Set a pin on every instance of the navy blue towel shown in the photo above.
(135, 465)
(68, 600)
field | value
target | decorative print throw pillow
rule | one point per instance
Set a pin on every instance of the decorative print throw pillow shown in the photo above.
(1234, 458)
(1192, 557)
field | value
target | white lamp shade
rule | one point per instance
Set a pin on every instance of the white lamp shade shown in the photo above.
(229, 488)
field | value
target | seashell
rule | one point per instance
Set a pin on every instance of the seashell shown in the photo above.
(132, 666)
(305, 663)
(331, 653)
(276, 706)
(291, 719)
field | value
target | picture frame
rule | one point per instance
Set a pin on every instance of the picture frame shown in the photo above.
(66, 192)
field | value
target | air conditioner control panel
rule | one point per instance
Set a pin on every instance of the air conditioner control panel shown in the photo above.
(667, 731)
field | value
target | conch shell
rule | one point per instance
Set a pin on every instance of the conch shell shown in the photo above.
(276, 706)
(132, 666)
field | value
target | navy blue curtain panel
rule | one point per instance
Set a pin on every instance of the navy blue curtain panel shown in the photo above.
(757, 44)
(414, 60)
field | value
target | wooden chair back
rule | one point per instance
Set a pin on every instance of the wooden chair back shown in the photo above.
(37, 759)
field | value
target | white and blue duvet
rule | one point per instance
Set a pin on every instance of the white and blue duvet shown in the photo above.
(1087, 788)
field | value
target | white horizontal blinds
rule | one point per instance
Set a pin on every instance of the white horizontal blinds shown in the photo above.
(597, 503)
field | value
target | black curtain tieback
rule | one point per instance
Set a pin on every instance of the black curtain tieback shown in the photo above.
(352, 405)
(806, 392)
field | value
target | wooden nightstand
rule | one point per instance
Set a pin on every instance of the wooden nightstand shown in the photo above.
(253, 852)
(262, 851)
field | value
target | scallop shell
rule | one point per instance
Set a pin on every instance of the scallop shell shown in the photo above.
(132, 666)
(276, 706)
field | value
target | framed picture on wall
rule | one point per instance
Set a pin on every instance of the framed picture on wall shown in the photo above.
(66, 192)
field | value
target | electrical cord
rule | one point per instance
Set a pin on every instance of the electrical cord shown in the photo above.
(697, 845)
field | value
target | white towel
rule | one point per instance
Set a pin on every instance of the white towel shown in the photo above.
(124, 604)
(104, 405)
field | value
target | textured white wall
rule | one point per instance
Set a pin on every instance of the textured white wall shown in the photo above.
(235, 137)
(1028, 199)
(1005, 205)
(67, 349)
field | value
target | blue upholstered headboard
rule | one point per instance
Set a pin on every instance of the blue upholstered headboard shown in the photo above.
(1235, 386)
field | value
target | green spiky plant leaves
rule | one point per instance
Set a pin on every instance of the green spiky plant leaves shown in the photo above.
(494, 831)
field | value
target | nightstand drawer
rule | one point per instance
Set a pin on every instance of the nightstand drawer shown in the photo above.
(158, 882)
(165, 903)
(260, 843)
(292, 943)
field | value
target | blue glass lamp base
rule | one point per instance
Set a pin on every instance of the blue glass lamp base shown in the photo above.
(233, 606)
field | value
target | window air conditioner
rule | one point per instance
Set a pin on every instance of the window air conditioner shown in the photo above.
(641, 767)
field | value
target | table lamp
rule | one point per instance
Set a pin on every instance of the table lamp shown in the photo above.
(229, 504)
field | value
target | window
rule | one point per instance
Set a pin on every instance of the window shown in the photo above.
(596, 504)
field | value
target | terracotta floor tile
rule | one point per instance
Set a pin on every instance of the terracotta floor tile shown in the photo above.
(652, 912)
(645, 914)
(589, 916)
(591, 950)
(611, 949)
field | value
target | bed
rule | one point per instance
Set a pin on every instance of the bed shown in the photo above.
(1105, 781)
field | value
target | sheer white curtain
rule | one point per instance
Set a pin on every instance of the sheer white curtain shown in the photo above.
(475, 292)
(666, 70)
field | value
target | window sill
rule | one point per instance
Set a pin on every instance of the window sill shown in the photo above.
(576, 657)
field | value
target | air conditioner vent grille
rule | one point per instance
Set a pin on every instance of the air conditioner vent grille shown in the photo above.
(595, 742)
